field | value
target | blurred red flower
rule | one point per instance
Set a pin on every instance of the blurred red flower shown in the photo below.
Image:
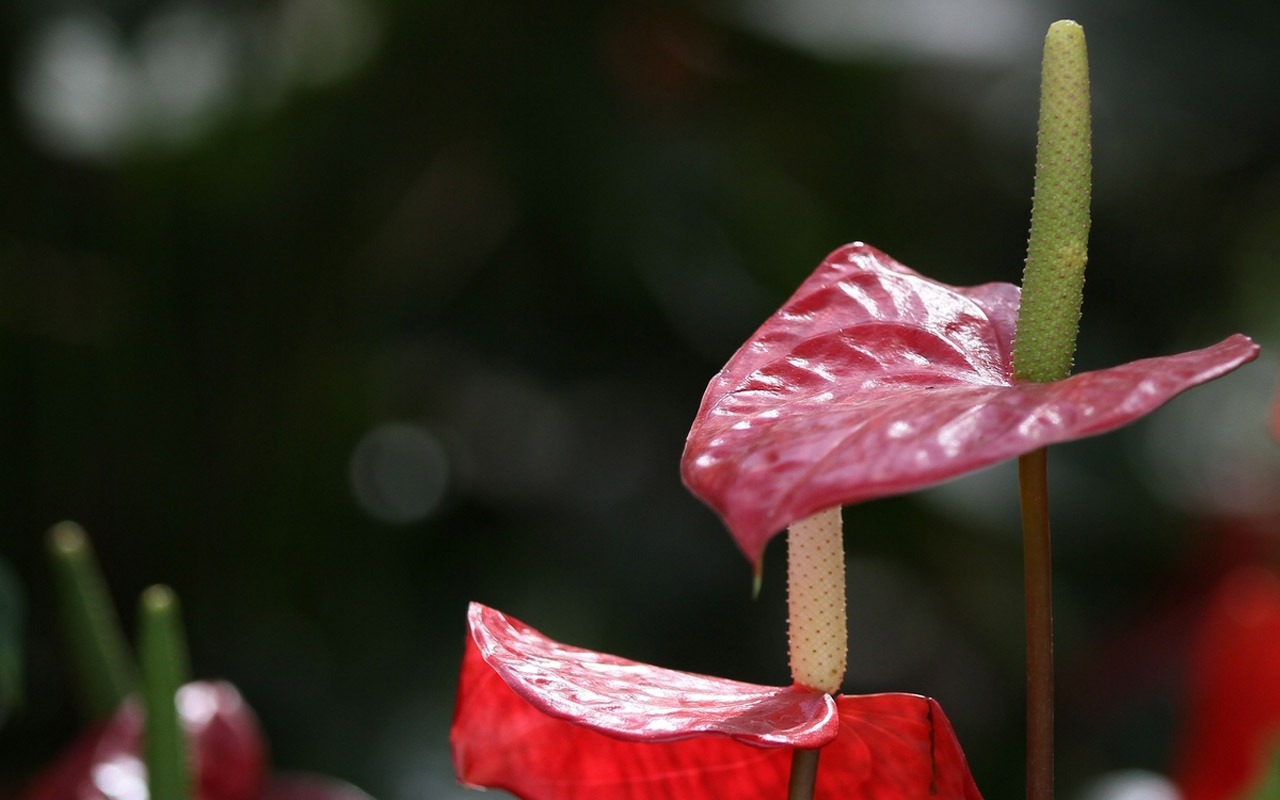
(228, 757)
(1232, 727)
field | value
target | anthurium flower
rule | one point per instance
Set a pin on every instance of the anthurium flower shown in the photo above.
(548, 721)
(874, 380)
(1232, 727)
(227, 750)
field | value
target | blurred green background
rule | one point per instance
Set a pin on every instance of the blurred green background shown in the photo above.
(338, 314)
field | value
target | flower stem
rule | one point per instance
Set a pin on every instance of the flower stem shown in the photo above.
(1045, 342)
(1038, 582)
(103, 663)
(804, 774)
(163, 653)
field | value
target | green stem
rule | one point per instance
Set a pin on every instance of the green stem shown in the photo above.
(103, 664)
(162, 650)
(1038, 580)
(804, 774)
(1057, 246)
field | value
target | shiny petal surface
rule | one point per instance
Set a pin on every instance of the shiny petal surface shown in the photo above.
(105, 764)
(1233, 709)
(641, 702)
(894, 746)
(550, 722)
(874, 380)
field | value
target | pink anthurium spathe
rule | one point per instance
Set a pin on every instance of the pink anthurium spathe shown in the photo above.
(547, 721)
(228, 756)
(874, 380)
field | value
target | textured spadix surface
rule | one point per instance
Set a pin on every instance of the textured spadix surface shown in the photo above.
(547, 721)
(874, 380)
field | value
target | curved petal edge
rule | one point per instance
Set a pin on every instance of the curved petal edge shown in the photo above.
(873, 380)
(546, 721)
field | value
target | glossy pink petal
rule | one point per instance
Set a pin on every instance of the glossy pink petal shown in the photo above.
(547, 721)
(874, 380)
(228, 752)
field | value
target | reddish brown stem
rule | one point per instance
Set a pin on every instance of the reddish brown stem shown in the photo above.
(1037, 572)
(804, 774)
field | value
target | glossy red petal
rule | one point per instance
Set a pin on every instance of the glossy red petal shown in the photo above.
(874, 380)
(639, 702)
(550, 722)
(894, 746)
(105, 764)
(1233, 710)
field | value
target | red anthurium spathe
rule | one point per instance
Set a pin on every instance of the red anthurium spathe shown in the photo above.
(1232, 726)
(547, 721)
(874, 380)
(228, 756)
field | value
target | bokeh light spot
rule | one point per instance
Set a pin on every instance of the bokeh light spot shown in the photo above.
(77, 88)
(399, 473)
(1131, 784)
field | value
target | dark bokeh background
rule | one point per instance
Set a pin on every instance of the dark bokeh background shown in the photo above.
(338, 314)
